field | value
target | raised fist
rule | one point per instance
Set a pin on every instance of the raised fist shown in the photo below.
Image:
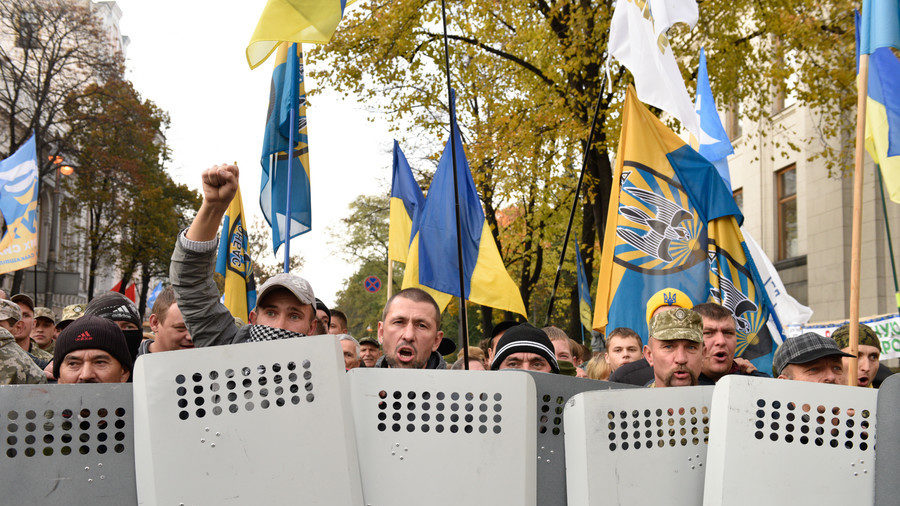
(220, 183)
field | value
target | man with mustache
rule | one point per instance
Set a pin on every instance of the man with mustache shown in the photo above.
(92, 350)
(410, 331)
(675, 348)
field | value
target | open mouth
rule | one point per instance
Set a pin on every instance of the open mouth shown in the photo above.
(405, 353)
(720, 356)
(862, 381)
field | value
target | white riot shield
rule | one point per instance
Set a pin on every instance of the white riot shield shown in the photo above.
(637, 447)
(67, 444)
(887, 453)
(776, 441)
(444, 437)
(256, 423)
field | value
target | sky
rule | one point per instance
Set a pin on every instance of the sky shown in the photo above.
(188, 58)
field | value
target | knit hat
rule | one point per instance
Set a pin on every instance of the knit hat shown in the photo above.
(867, 336)
(114, 307)
(525, 338)
(91, 333)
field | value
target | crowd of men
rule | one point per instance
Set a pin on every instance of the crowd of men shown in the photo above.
(686, 345)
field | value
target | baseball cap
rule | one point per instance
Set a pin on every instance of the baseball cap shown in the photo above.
(9, 310)
(44, 312)
(667, 297)
(294, 284)
(679, 323)
(802, 349)
(867, 336)
(525, 338)
(321, 305)
(24, 299)
(370, 340)
(70, 313)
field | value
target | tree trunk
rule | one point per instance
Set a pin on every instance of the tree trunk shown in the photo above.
(145, 290)
(574, 312)
(92, 276)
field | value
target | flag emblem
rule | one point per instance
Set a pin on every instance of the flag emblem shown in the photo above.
(238, 259)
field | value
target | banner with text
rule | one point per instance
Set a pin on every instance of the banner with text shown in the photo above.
(886, 326)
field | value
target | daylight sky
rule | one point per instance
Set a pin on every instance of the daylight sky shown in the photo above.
(188, 57)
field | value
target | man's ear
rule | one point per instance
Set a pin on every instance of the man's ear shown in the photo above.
(648, 354)
(252, 317)
(381, 333)
(154, 322)
(437, 341)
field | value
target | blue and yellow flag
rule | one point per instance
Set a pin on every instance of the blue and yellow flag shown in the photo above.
(879, 26)
(406, 205)
(297, 21)
(584, 292)
(432, 260)
(233, 262)
(287, 94)
(674, 224)
(18, 205)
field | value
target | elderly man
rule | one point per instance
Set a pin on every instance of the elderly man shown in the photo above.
(525, 347)
(809, 357)
(44, 330)
(869, 352)
(92, 350)
(350, 350)
(169, 330)
(285, 303)
(17, 367)
(675, 348)
(410, 331)
(369, 352)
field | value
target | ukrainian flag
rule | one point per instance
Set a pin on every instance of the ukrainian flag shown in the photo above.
(287, 94)
(297, 21)
(584, 292)
(406, 204)
(233, 262)
(432, 260)
(674, 224)
(883, 117)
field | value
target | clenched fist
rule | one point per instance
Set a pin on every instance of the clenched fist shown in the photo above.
(220, 183)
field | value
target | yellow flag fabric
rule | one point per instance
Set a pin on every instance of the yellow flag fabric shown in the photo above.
(400, 229)
(883, 118)
(233, 262)
(312, 21)
(18, 208)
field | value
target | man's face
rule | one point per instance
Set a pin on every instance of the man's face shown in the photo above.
(282, 310)
(322, 321)
(562, 350)
(494, 341)
(675, 363)
(336, 325)
(369, 354)
(866, 364)
(719, 343)
(409, 333)
(171, 333)
(476, 365)
(27, 322)
(351, 359)
(91, 366)
(43, 332)
(621, 350)
(526, 362)
(824, 370)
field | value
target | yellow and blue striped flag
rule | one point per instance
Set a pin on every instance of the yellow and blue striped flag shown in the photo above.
(432, 260)
(297, 21)
(406, 205)
(233, 262)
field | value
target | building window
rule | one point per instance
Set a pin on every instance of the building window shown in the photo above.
(788, 234)
(739, 198)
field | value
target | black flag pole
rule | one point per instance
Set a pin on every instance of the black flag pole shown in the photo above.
(565, 244)
(463, 319)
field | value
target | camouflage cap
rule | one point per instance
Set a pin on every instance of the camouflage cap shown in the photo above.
(370, 340)
(867, 336)
(44, 312)
(21, 298)
(678, 323)
(73, 312)
(9, 310)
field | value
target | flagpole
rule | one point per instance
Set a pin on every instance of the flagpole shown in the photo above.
(390, 279)
(463, 319)
(862, 85)
(290, 185)
(562, 255)
(887, 228)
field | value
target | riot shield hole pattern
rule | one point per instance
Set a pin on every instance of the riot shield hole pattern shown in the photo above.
(241, 389)
(815, 425)
(64, 431)
(455, 412)
(660, 427)
(550, 415)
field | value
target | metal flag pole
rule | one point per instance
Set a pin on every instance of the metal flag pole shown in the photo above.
(562, 255)
(290, 185)
(856, 235)
(463, 319)
(887, 228)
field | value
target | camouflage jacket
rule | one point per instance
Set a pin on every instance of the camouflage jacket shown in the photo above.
(16, 365)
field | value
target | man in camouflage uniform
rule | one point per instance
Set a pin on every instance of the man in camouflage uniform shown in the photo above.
(16, 366)
(675, 348)
(69, 314)
(44, 330)
(23, 333)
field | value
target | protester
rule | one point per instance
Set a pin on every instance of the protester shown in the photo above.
(43, 331)
(409, 331)
(350, 351)
(476, 360)
(92, 350)
(675, 348)
(719, 345)
(337, 324)
(809, 357)
(868, 349)
(623, 346)
(119, 309)
(17, 367)
(598, 368)
(22, 331)
(369, 351)
(496, 333)
(285, 303)
(525, 347)
(69, 314)
(323, 318)
(169, 330)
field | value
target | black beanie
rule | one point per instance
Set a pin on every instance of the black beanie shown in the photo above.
(524, 338)
(114, 306)
(91, 333)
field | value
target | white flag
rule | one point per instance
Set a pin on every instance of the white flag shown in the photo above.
(790, 312)
(637, 39)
